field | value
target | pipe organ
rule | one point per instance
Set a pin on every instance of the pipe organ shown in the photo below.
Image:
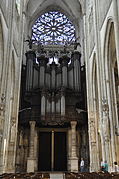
(54, 80)
(52, 94)
(53, 117)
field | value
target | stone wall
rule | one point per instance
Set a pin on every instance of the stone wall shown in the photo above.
(12, 29)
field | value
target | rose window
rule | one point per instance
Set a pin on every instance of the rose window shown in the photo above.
(53, 28)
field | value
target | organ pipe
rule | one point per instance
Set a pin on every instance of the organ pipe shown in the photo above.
(30, 58)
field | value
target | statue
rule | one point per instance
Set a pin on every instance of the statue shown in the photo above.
(30, 42)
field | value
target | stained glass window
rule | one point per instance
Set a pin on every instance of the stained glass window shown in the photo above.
(53, 28)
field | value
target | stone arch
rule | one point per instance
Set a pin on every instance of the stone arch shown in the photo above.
(50, 8)
(95, 103)
(54, 5)
(75, 15)
(82, 3)
(110, 66)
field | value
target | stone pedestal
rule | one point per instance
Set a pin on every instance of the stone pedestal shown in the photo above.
(74, 158)
(31, 165)
(74, 164)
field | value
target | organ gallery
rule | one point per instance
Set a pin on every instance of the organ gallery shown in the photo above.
(53, 92)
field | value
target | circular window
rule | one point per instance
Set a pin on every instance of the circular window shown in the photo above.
(53, 28)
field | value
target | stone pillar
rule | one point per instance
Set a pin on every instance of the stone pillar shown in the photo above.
(106, 134)
(31, 158)
(36, 140)
(93, 145)
(74, 158)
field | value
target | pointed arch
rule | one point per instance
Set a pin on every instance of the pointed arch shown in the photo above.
(111, 85)
(94, 118)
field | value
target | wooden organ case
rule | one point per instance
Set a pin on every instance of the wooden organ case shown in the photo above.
(53, 94)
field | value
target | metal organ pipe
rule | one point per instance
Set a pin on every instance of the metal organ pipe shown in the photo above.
(53, 74)
(42, 63)
(77, 76)
(53, 105)
(58, 106)
(43, 103)
(64, 62)
(62, 103)
(48, 109)
(30, 56)
(70, 77)
(64, 76)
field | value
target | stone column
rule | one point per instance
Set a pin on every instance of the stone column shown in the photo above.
(74, 158)
(93, 145)
(31, 158)
(36, 140)
(106, 133)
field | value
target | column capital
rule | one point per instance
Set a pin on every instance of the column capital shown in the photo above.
(64, 60)
(32, 123)
(73, 123)
(76, 55)
(43, 92)
(30, 55)
(62, 91)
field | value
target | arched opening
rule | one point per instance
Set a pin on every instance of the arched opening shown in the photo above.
(111, 92)
(113, 85)
(116, 83)
(94, 130)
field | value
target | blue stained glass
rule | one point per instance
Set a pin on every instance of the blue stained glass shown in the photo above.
(53, 28)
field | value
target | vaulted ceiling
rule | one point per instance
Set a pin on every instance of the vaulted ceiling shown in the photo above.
(71, 8)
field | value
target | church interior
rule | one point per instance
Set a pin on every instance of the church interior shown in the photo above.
(59, 86)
